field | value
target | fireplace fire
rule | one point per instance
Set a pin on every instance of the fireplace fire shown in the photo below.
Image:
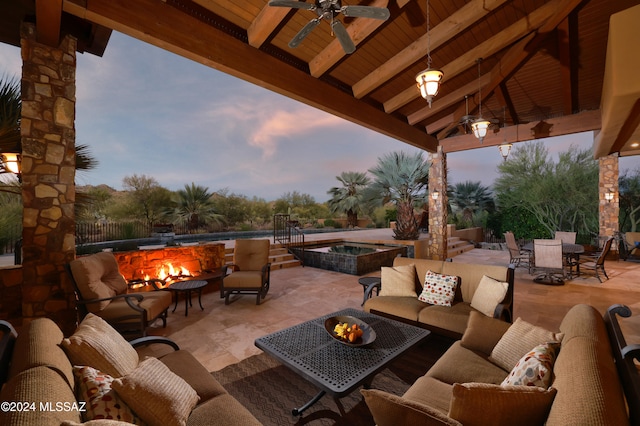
(165, 276)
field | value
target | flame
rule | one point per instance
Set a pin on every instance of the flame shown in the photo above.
(167, 273)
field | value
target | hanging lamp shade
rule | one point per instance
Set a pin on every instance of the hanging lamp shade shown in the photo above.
(429, 83)
(505, 148)
(480, 128)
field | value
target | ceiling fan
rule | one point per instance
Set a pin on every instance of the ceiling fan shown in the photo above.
(329, 10)
(467, 120)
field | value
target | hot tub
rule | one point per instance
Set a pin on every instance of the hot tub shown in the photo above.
(350, 258)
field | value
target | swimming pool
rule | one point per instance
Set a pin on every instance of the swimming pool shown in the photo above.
(350, 257)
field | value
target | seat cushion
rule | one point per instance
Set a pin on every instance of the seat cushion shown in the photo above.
(402, 307)
(453, 318)
(223, 410)
(153, 303)
(98, 276)
(97, 344)
(243, 279)
(185, 365)
(476, 367)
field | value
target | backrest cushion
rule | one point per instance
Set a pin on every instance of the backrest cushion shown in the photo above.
(483, 333)
(471, 274)
(95, 343)
(250, 254)
(98, 276)
(38, 344)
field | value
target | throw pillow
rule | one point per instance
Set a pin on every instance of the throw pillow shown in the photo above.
(439, 289)
(156, 394)
(398, 280)
(535, 368)
(482, 332)
(94, 387)
(99, 422)
(99, 345)
(391, 410)
(518, 340)
(489, 293)
(484, 404)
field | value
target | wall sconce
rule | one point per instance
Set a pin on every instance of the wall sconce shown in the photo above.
(11, 162)
(435, 195)
(609, 196)
(505, 148)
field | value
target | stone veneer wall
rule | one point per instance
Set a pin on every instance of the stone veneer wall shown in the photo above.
(203, 257)
(48, 173)
(437, 208)
(609, 211)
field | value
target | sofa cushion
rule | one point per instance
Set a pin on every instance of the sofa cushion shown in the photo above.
(38, 344)
(483, 332)
(391, 410)
(476, 367)
(422, 266)
(471, 274)
(438, 289)
(94, 387)
(97, 344)
(98, 276)
(98, 422)
(402, 307)
(535, 368)
(244, 279)
(223, 410)
(489, 293)
(35, 386)
(398, 281)
(153, 302)
(432, 392)
(452, 318)
(519, 339)
(185, 365)
(484, 404)
(157, 395)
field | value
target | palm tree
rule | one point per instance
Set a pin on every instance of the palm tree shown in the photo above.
(349, 197)
(401, 178)
(194, 205)
(468, 198)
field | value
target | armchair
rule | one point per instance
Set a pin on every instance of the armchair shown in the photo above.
(102, 290)
(596, 263)
(251, 270)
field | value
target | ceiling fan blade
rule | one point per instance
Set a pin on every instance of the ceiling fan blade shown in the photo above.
(292, 4)
(343, 37)
(366, 12)
(304, 32)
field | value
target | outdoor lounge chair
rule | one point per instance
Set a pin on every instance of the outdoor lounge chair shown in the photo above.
(596, 263)
(101, 289)
(517, 256)
(548, 258)
(251, 270)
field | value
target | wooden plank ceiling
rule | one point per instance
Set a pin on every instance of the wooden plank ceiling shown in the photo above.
(541, 72)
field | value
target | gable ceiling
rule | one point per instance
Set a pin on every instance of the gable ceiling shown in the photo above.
(541, 74)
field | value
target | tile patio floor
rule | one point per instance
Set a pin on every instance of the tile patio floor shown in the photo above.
(222, 335)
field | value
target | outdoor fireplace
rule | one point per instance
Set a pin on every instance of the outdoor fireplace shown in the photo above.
(146, 269)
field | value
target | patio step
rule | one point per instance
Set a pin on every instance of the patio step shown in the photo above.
(456, 246)
(279, 257)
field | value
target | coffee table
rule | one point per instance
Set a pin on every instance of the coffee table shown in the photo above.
(335, 368)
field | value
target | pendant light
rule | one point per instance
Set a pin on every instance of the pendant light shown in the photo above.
(505, 147)
(480, 126)
(429, 80)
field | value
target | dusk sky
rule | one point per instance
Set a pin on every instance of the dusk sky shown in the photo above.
(145, 111)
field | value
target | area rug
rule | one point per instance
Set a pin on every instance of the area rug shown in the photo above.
(270, 391)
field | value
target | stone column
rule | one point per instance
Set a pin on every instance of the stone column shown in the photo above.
(48, 173)
(438, 207)
(609, 210)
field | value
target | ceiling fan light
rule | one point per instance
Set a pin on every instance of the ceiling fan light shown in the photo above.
(429, 83)
(480, 128)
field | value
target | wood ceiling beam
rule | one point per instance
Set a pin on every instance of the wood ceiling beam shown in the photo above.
(164, 26)
(568, 57)
(486, 49)
(520, 52)
(440, 34)
(576, 123)
(265, 23)
(505, 100)
(358, 30)
(48, 21)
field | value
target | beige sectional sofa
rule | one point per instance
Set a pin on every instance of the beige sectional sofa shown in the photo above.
(172, 389)
(450, 321)
(464, 385)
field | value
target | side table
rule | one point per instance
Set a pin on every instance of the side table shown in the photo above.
(369, 283)
(187, 287)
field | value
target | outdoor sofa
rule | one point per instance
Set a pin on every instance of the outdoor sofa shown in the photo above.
(50, 377)
(499, 374)
(401, 286)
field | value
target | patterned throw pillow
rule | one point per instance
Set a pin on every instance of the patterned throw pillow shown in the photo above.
(438, 289)
(535, 368)
(94, 387)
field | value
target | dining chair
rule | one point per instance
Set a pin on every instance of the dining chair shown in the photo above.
(596, 263)
(548, 258)
(517, 256)
(565, 237)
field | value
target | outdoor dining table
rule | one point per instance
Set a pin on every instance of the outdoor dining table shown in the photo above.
(570, 251)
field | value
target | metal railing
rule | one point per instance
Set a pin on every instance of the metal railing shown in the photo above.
(288, 233)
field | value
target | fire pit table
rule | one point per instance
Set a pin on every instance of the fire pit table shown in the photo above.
(334, 367)
(187, 287)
